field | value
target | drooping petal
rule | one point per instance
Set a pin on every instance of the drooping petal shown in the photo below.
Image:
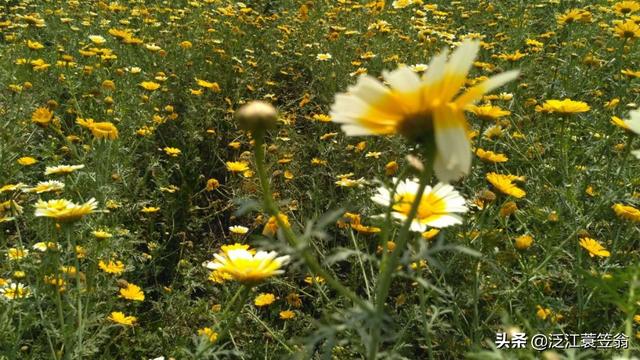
(453, 158)
(445, 221)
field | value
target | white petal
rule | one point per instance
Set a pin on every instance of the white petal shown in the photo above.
(403, 80)
(356, 130)
(453, 159)
(417, 226)
(383, 197)
(436, 68)
(445, 220)
(369, 89)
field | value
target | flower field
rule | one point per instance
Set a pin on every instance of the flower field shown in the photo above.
(408, 179)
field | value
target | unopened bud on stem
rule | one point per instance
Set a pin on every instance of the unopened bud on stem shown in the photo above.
(257, 116)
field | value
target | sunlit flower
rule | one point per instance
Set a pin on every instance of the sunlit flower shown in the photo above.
(212, 184)
(11, 187)
(488, 112)
(97, 39)
(64, 210)
(247, 267)
(594, 247)
(101, 234)
(26, 161)
(632, 124)
(34, 45)
(132, 292)
(62, 169)
(213, 86)
(421, 108)
(491, 157)
(44, 246)
(627, 30)
(171, 151)
(626, 7)
(627, 212)
(42, 116)
(512, 56)
(14, 291)
(208, 333)
(239, 230)
(287, 315)
(120, 318)
(264, 299)
(438, 207)
(504, 183)
(542, 313)
(362, 229)
(17, 253)
(523, 242)
(323, 57)
(150, 209)
(574, 15)
(45, 186)
(271, 227)
(631, 74)
(112, 267)
(150, 85)
(563, 107)
(237, 166)
(314, 280)
(104, 130)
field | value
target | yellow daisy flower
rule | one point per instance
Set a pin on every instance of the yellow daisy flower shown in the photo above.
(264, 299)
(14, 291)
(246, 266)
(42, 116)
(111, 267)
(150, 85)
(563, 107)
(627, 212)
(132, 292)
(26, 161)
(45, 186)
(122, 319)
(504, 183)
(594, 247)
(237, 166)
(208, 333)
(491, 157)
(62, 169)
(64, 210)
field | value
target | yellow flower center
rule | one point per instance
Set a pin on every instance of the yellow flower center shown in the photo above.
(430, 206)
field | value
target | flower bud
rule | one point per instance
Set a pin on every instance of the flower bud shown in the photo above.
(257, 115)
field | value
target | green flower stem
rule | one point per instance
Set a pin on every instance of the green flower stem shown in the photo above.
(289, 235)
(565, 146)
(273, 335)
(390, 262)
(71, 242)
(230, 313)
(232, 310)
(58, 296)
